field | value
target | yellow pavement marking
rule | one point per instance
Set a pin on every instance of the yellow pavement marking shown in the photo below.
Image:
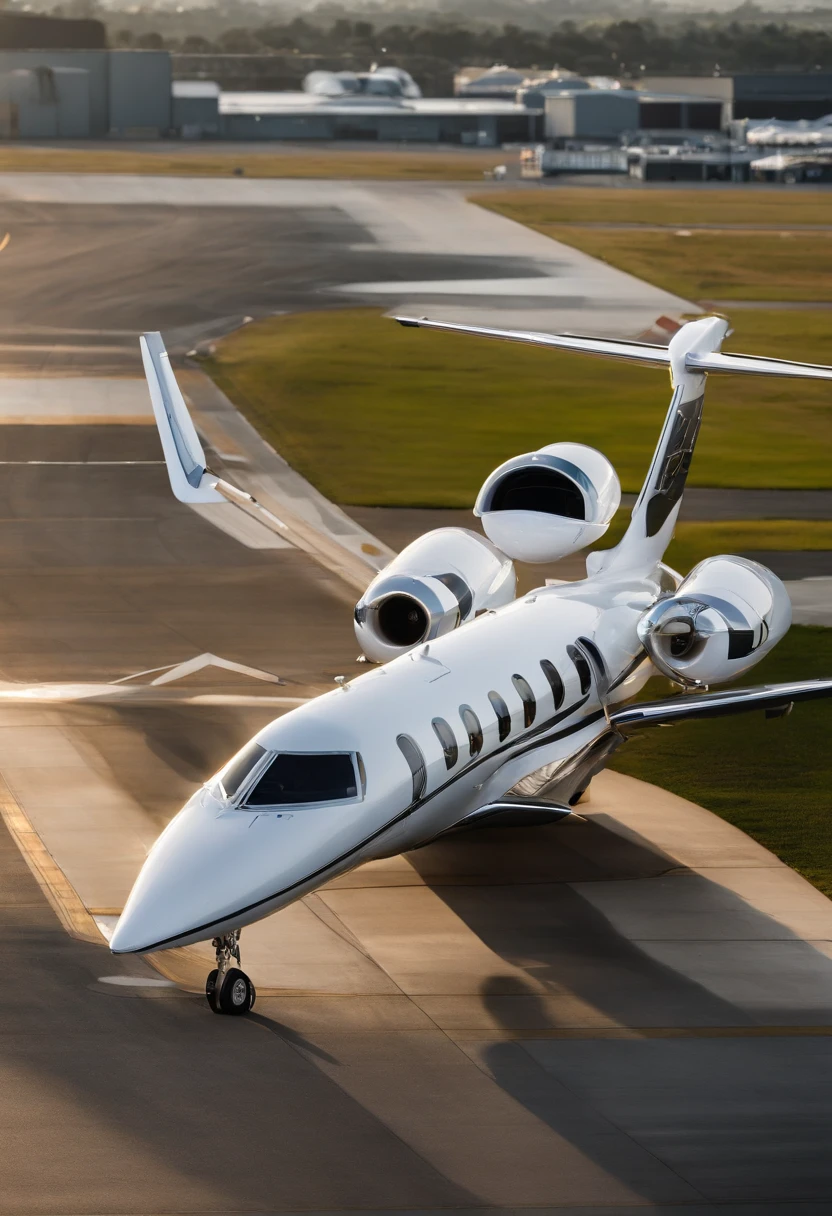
(5, 241)
(57, 888)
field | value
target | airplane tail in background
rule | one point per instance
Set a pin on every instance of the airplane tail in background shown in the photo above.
(693, 352)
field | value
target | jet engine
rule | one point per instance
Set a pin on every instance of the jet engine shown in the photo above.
(442, 580)
(722, 619)
(550, 503)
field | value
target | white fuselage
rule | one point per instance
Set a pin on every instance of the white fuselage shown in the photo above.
(221, 864)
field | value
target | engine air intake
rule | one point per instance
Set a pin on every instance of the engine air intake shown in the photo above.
(547, 504)
(402, 620)
(442, 580)
(539, 489)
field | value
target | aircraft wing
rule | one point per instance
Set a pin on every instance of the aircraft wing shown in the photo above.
(774, 699)
(190, 478)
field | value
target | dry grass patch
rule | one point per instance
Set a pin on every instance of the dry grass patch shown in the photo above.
(336, 163)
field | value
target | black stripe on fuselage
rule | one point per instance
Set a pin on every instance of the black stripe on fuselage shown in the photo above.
(587, 720)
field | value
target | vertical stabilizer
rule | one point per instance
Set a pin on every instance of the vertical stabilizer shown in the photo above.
(657, 507)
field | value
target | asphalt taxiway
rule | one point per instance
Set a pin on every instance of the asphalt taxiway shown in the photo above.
(630, 1012)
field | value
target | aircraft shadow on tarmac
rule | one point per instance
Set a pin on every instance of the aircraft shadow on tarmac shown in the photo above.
(571, 960)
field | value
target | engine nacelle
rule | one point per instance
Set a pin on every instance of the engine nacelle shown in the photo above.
(723, 618)
(437, 583)
(550, 503)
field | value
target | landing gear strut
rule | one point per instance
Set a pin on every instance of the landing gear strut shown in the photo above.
(228, 989)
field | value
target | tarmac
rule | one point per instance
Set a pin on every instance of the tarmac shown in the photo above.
(626, 1012)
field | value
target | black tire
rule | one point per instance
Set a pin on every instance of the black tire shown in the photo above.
(237, 993)
(253, 996)
(211, 989)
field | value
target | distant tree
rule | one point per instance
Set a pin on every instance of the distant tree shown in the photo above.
(195, 44)
(150, 41)
(239, 42)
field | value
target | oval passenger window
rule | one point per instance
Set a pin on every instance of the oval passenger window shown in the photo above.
(416, 762)
(555, 682)
(503, 716)
(473, 729)
(524, 691)
(446, 737)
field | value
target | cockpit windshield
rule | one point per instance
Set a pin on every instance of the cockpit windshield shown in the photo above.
(234, 774)
(299, 777)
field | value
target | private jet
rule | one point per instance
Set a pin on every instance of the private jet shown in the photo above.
(480, 707)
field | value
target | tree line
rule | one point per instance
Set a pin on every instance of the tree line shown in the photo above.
(621, 48)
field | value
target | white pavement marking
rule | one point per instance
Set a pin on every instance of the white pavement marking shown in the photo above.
(73, 399)
(44, 694)
(538, 285)
(811, 601)
(135, 981)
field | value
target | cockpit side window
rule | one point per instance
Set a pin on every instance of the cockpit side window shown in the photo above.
(473, 729)
(503, 716)
(447, 738)
(297, 777)
(524, 691)
(555, 682)
(236, 772)
(416, 761)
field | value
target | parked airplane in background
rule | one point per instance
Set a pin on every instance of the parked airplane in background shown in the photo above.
(485, 708)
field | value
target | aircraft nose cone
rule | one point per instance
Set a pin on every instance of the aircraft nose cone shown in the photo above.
(212, 864)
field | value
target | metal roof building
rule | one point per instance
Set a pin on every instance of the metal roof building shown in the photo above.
(251, 116)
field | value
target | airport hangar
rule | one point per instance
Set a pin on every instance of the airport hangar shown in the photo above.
(100, 93)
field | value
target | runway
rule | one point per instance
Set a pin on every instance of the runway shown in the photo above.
(632, 1012)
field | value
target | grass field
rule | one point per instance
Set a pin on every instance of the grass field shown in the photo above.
(772, 779)
(401, 417)
(697, 539)
(705, 265)
(778, 208)
(402, 165)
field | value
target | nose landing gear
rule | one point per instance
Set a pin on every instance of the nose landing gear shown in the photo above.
(228, 989)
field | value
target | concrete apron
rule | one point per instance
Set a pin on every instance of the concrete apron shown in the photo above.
(687, 925)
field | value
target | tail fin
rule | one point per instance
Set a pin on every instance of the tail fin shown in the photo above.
(693, 351)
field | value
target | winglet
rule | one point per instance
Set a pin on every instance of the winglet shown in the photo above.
(184, 456)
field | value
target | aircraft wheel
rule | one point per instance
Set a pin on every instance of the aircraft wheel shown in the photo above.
(237, 993)
(211, 989)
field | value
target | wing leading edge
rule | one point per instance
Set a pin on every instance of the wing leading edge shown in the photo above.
(774, 699)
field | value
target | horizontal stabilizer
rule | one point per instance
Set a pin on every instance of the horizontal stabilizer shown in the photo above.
(757, 365)
(610, 348)
(773, 698)
(183, 452)
(636, 352)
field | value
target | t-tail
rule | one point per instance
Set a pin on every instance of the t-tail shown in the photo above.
(693, 351)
